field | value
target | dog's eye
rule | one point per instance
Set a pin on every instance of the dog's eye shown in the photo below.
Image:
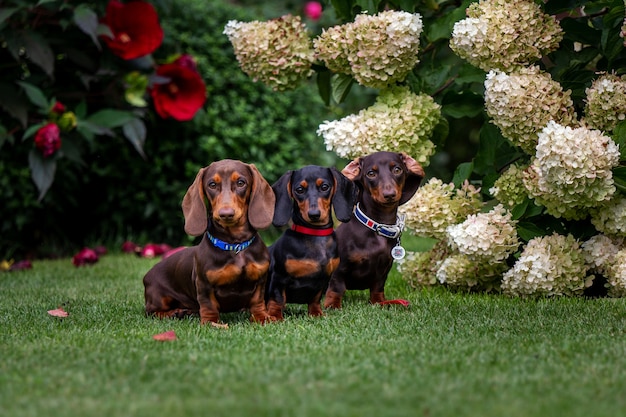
(397, 170)
(324, 187)
(300, 190)
(241, 183)
(371, 174)
(212, 185)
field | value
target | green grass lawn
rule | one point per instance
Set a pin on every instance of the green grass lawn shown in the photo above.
(447, 354)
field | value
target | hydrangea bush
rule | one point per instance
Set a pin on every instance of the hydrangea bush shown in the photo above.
(539, 209)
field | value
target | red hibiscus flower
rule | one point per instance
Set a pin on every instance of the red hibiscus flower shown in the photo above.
(182, 95)
(85, 257)
(48, 139)
(135, 28)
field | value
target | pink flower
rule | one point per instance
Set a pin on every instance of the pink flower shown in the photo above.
(313, 10)
(152, 250)
(129, 247)
(135, 28)
(48, 139)
(20, 265)
(84, 257)
(58, 108)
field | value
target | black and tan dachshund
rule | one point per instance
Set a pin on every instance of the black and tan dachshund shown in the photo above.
(227, 270)
(304, 257)
(385, 181)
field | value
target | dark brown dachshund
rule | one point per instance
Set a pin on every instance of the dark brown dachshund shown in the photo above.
(227, 270)
(385, 181)
(303, 258)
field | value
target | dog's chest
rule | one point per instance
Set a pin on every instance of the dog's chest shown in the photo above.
(238, 269)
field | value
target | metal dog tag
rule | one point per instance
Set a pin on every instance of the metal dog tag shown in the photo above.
(397, 252)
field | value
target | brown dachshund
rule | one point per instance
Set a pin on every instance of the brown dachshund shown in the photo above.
(385, 181)
(227, 270)
(303, 258)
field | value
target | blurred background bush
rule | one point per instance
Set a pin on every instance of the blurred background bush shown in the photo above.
(115, 194)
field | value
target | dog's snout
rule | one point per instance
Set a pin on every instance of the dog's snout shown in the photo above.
(314, 214)
(226, 213)
(390, 193)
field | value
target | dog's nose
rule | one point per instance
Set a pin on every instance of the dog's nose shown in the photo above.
(226, 213)
(389, 194)
(314, 214)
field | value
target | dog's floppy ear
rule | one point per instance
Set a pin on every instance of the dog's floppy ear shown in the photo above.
(414, 178)
(194, 208)
(344, 197)
(262, 201)
(352, 171)
(284, 205)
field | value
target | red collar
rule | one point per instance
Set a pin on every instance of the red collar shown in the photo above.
(313, 232)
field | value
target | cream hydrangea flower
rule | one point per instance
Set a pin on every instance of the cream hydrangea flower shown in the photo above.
(399, 120)
(377, 51)
(616, 275)
(278, 52)
(599, 252)
(610, 218)
(487, 237)
(460, 272)
(419, 269)
(523, 102)
(436, 205)
(573, 168)
(509, 188)
(504, 34)
(549, 265)
(606, 102)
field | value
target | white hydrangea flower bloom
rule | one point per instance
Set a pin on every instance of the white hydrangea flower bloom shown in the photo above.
(523, 102)
(606, 102)
(616, 275)
(419, 269)
(610, 218)
(278, 52)
(488, 237)
(599, 252)
(573, 169)
(399, 120)
(549, 265)
(509, 188)
(504, 34)
(436, 205)
(377, 51)
(460, 272)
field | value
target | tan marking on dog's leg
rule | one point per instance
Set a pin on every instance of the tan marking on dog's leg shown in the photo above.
(331, 266)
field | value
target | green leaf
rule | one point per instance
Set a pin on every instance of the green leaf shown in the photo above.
(36, 96)
(35, 47)
(110, 118)
(6, 13)
(527, 231)
(619, 178)
(462, 173)
(340, 87)
(32, 130)
(42, 171)
(14, 103)
(442, 28)
(465, 104)
(135, 132)
(87, 20)
(323, 85)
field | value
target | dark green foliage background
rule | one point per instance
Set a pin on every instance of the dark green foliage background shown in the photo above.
(117, 195)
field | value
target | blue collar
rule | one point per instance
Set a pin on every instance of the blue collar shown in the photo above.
(234, 247)
(390, 231)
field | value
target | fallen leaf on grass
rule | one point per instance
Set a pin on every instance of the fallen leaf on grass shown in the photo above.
(220, 325)
(59, 312)
(404, 303)
(165, 336)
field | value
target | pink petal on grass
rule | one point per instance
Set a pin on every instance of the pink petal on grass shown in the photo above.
(404, 303)
(165, 336)
(59, 312)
